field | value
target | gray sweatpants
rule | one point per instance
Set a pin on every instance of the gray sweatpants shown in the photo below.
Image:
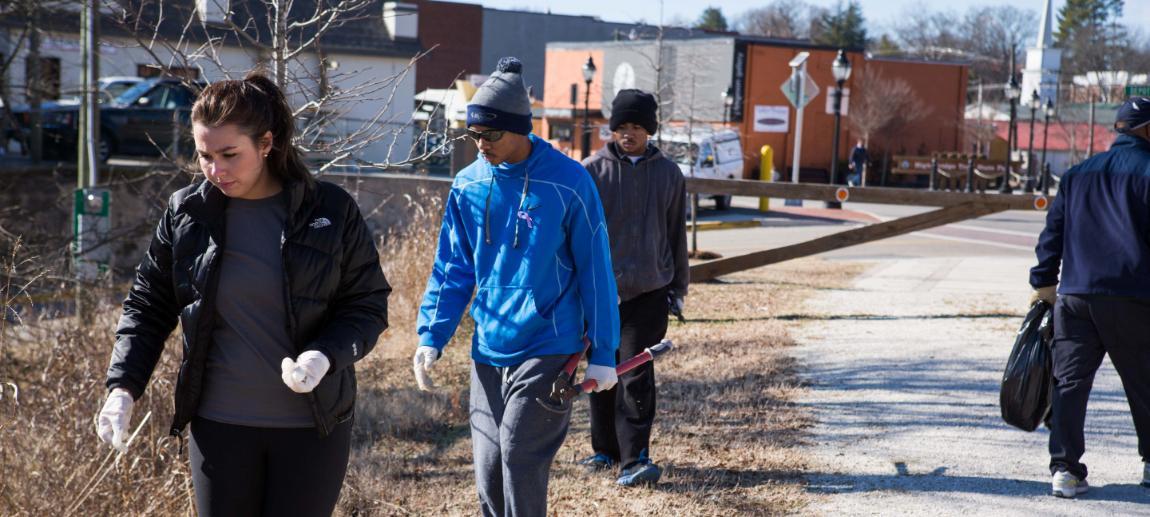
(513, 438)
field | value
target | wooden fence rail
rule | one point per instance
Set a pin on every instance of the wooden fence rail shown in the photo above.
(953, 207)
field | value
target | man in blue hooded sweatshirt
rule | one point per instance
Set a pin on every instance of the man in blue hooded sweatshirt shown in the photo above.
(523, 229)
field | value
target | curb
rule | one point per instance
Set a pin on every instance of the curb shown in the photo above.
(725, 225)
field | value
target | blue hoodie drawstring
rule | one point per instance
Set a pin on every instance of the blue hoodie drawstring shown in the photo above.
(522, 200)
(487, 208)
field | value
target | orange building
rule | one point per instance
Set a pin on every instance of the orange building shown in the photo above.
(693, 76)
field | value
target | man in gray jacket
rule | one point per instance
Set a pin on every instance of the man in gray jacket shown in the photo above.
(643, 195)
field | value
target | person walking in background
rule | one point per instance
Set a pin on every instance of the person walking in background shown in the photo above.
(1098, 235)
(523, 229)
(644, 197)
(857, 165)
(275, 280)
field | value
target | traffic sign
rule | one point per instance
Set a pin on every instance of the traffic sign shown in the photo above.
(790, 87)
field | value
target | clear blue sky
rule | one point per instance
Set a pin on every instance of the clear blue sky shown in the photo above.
(880, 14)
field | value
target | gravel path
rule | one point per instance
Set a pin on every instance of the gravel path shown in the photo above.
(904, 370)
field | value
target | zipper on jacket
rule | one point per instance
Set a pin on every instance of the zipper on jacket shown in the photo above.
(206, 320)
(291, 327)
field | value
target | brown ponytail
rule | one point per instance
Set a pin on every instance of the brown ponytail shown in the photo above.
(257, 106)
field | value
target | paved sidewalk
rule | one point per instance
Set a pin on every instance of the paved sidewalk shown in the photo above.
(904, 370)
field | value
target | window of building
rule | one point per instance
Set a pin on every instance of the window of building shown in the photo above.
(183, 72)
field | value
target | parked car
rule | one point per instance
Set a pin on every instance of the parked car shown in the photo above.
(706, 153)
(151, 117)
(109, 88)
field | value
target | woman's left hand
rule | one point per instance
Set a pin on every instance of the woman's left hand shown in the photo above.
(304, 374)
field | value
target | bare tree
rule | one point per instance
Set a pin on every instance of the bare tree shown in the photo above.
(883, 107)
(780, 19)
(289, 38)
(784, 19)
(985, 36)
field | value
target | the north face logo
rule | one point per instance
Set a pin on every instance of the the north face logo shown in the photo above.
(321, 222)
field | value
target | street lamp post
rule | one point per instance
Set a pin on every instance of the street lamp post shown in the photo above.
(1044, 183)
(574, 110)
(588, 75)
(841, 69)
(1035, 105)
(728, 101)
(1013, 91)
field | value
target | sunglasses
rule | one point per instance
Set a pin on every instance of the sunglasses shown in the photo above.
(490, 135)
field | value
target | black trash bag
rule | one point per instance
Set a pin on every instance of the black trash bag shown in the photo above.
(1027, 383)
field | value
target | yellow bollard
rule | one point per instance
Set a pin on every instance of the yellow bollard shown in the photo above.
(766, 171)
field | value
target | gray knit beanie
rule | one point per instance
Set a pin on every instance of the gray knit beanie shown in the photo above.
(502, 101)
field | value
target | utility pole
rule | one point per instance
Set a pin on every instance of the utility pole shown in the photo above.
(34, 88)
(91, 221)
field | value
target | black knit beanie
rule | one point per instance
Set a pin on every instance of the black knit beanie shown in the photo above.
(636, 107)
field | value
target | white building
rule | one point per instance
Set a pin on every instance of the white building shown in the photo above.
(1043, 62)
(367, 60)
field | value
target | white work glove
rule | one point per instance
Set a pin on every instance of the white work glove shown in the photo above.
(604, 376)
(425, 356)
(304, 374)
(112, 424)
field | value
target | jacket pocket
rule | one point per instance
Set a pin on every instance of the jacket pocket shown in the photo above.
(335, 396)
(506, 317)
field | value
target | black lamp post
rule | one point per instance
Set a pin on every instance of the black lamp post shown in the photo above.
(1013, 91)
(841, 69)
(728, 101)
(574, 110)
(1035, 105)
(588, 75)
(1044, 183)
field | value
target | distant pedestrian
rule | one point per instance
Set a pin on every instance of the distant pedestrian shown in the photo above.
(523, 231)
(1098, 234)
(644, 197)
(857, 165)
(276, 284)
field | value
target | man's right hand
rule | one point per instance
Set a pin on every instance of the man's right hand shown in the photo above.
(425, 356)
(1046, 294)
(112, 424)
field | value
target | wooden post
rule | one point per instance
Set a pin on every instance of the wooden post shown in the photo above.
(970, 175)
(933, 174)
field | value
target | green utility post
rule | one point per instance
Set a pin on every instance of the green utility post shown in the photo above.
(91, 224)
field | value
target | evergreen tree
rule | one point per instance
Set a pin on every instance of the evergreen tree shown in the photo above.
(1081, 16)
(1089, 32)
(712, 19)
(843, 28)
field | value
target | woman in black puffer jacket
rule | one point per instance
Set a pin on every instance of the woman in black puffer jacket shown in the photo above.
(277, 286)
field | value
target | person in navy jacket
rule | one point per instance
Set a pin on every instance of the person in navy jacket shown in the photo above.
(1098, 235)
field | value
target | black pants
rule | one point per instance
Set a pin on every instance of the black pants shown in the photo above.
(621, 417)
(249, 471)
(1086, 328)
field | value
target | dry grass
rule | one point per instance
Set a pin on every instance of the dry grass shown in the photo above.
(727, 432)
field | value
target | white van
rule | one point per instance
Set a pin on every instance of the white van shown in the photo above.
(706, 154)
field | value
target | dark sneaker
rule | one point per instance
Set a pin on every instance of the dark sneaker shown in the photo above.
(1067, 485)
(597, 462)
(645, 473)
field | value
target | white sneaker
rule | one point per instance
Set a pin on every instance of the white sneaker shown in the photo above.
(1146, 475)
(1065, 484)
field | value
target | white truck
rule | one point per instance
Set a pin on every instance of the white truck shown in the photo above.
(705, 153)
